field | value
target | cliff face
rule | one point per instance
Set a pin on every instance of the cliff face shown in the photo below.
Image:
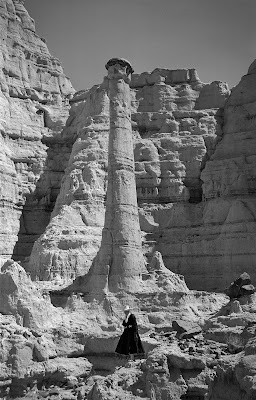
(195, 177)
(229, 186)
(194, 162)
(34, 94)
(174, 136)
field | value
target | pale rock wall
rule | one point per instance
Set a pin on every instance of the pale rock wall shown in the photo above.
(229, 186)
(194, 164)
(71, 240)
(173, 139)
(34, 94)
(213, 241)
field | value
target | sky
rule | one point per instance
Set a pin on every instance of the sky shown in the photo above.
(217, 37)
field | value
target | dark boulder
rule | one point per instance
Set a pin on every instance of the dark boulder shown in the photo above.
(233, 291)
(240, 287)
(244, 279)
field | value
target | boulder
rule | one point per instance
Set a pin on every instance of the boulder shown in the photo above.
(20, 297)
(233, 291)
(245, 372)
(241, 287)
(243, 279)
(235, 307)
(186, 329)
(60, 369)
(247, 290)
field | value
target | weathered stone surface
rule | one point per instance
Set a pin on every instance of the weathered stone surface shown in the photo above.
(235, 307)
(20, 366)
(213, 95)
(34, 94)
(177, 122)
(246, 374)
(21, 298)
(73, 237)
(162, 381)
(170, 369)
(229, 180)
(172, 140)
(171, 149)
(243, 279)
(59, 369)
(186, 329)
(241, 287)
(119, 263)
(178, 139)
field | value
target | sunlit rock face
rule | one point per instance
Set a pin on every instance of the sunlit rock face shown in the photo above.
(229, 185)
(194, 165)
(173, 135)
(73, 236)
(174, 141)
(34, 106)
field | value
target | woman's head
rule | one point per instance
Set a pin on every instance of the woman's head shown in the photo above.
(127, 310)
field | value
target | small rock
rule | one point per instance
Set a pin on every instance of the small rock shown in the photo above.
(186, 329)
(200, 350)
(233, 349)
(54, 391)
(244, 279)
(217, 354)
(43, 393)
(235, 307)
(72, 381)
(246, 290)
(68, 396)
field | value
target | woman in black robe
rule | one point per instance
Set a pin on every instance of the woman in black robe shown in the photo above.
(129, 342)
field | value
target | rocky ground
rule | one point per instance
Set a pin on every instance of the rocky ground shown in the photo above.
(198, 345)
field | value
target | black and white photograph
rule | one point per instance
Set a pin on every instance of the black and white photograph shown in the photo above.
(127, 199)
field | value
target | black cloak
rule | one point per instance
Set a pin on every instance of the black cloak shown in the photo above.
(129, 342)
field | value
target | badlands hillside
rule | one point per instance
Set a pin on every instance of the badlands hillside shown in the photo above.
(194, 148)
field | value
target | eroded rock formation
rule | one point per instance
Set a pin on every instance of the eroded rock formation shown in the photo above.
(34, 104)
(195, 194)
(173, 138)
(195, 187)
(229, 185)
(119, 263)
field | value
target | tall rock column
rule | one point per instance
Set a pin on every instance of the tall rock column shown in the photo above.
(119, 263)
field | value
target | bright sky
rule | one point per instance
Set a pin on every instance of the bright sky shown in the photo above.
(217, 37)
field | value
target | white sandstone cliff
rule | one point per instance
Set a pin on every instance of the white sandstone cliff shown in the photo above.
(34, 104)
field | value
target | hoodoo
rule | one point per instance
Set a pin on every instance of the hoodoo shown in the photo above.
(119, 263)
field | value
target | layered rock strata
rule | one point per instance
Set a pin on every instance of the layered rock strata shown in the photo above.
(73, 236)
(45, 336)
(194, 167)
(229, 186)
(34, 104)
(172, 139)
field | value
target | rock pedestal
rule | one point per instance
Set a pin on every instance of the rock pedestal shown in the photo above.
(119, 263)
